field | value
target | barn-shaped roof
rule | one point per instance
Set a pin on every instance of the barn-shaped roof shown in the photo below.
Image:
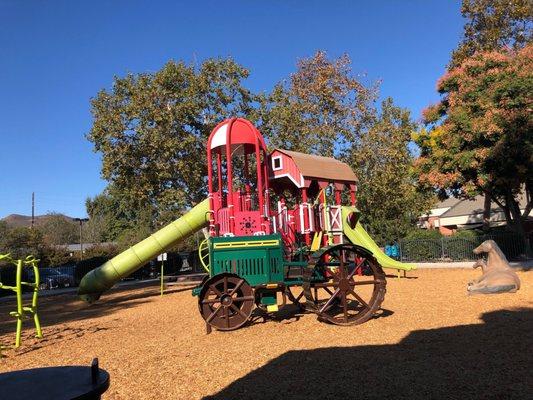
(319, 167)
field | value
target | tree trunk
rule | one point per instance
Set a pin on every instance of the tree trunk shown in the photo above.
(514, 210)
(529, 204)
(515, 221)
(486, 213)
(517, 224)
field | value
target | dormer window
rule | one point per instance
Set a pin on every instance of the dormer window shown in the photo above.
(277, 163)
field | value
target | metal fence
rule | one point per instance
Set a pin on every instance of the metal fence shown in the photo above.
(448, 249)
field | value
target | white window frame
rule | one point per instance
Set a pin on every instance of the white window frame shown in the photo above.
(274, 159)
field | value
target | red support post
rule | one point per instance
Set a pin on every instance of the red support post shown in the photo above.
(210, 191)
(352, 194)
(338, 197)
(231, 206)
(260, 189)
(219, 174)
(307, 222)
(266, 191)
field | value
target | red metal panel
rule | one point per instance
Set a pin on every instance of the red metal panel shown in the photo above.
(288, 168)
(248, 223)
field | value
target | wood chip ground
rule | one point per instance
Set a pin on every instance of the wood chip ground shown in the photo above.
(430, 341)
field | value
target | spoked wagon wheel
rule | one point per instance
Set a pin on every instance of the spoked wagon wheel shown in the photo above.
(295, 294)
(346, 297)
(226, 302)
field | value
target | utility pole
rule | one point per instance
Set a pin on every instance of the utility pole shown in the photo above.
(81, 221)
(32, 209)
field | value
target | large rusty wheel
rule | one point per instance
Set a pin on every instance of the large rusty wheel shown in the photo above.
(353, 289)
(226, 302)
(295, 294)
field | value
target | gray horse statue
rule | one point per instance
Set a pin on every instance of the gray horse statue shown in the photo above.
(497, 276)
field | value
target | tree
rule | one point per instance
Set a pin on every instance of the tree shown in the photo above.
(492, 25)
(479, 137)
(4, 229)
(21, 242)
(94, 230)
(58, 229)
(109, 216)
(325, 109)
(112, 218)
(388, 194)
(320, 109)
(151, 130)
(43, 243)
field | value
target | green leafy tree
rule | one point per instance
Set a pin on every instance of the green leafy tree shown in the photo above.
(109, 216)
(55, 256)
(94, 230)
(151, 130)
(479, 137)
(492, 25)
(140, 228)
(113, 218)
(21, 242)
(4, 229)
(388, 194)
(57, 229)
(319, 109)
(325, 109)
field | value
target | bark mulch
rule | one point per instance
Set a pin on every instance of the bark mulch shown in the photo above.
(430, 340)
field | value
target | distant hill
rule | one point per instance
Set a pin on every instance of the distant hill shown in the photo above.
(17, 220)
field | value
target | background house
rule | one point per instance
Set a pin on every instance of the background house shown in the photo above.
(452, 214)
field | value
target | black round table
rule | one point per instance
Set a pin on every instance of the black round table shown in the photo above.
(57, 383)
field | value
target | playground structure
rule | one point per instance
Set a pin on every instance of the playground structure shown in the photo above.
(281, 226)
(24, 312)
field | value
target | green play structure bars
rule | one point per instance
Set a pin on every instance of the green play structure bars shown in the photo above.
(22, 311)
(104, 277)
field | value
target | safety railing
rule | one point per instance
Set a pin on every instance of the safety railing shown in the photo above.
(223, 218)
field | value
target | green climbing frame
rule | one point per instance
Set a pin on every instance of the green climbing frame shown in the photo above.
(24, 312)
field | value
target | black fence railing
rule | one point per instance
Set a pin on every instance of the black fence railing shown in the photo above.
(448, 249)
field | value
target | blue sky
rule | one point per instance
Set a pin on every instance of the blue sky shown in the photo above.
(55, 56)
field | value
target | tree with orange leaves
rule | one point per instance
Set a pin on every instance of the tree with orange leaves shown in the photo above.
(479, 137)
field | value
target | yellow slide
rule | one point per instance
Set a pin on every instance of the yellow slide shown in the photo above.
(360, 237)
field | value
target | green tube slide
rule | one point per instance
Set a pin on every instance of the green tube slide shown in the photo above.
(104, 277)
(360, 237)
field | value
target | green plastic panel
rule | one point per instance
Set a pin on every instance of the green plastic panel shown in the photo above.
(258, 259)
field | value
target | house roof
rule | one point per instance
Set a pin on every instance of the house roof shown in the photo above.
(86, 246)
(466, 207)
(327, 168)
(449, 202)
(475, 206)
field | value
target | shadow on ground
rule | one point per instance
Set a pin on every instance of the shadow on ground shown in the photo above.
(292, 313)
(491, 360)
(54, 310)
